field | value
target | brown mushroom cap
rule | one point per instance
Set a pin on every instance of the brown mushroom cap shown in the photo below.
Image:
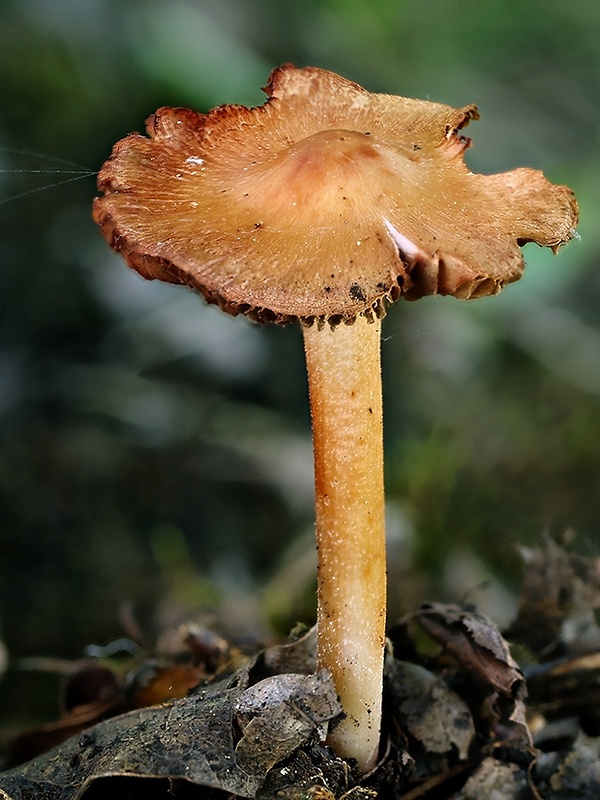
(322, 203)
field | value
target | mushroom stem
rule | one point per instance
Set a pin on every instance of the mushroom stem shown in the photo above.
(344, 375)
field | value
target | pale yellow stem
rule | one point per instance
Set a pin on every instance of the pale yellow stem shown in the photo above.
(344, 376)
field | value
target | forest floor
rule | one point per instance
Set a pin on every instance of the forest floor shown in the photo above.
(466, 714)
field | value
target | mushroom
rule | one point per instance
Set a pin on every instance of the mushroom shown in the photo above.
(324, 205)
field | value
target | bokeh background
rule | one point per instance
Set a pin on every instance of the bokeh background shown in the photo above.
(155, 455)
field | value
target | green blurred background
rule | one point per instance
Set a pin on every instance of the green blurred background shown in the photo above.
(154, 454)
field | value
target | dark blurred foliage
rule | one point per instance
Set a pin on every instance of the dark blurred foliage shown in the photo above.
(156, 453)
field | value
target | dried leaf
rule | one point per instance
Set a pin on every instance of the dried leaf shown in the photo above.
(298, 656)
(494, 780)
(285, 711)
(90, 694)
(566, 687)
(477, 648)
(475, 643)
(559, 595)
(429, 710)
(312, 773)
(192, 739)
(577, 775)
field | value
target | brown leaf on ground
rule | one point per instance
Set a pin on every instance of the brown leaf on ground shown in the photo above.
(433, 714)
(574, 775)
(196, 739)
(560, 594)
(494, 780)
(475, 649)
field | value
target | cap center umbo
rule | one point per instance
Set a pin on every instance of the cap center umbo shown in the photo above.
(328, 165)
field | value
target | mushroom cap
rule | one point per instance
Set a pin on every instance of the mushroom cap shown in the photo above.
(323, 203)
